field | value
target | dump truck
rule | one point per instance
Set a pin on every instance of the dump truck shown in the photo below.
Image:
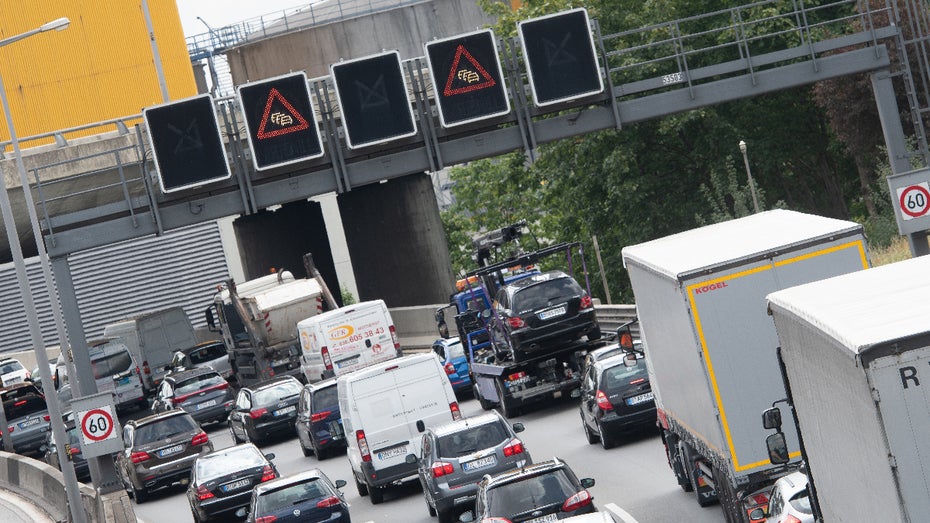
(710, 345)
(258, 321)
(855, 351)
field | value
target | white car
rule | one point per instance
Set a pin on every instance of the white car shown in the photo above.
(12, 372)
(790, 500)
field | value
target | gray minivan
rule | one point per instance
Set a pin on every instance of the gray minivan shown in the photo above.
(116, 371)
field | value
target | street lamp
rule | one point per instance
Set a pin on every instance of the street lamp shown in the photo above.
(75, 504)
(210, 64)
(752, 186)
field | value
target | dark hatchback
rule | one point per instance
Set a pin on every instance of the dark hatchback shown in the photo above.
(265, 409)
(545, 491)
(319, 423)
(81, 468)
(222, 481)
(27, 418)
(616, 397)
(307, 496)
(544, 309)
(202, 392)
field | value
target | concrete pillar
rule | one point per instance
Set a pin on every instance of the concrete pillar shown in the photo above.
(397, 243)
(279, 239)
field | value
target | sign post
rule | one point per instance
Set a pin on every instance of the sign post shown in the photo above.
(97, 425)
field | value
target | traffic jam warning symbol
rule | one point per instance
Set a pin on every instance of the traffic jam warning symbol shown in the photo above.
(279, 120)
(914, 200)
(468, 70)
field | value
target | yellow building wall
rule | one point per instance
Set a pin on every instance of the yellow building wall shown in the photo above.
(101, 67)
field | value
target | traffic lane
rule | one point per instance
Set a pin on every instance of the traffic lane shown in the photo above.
(634, 475)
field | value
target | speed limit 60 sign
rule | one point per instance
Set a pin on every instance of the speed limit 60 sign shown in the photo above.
(910, 195)
(97, 426)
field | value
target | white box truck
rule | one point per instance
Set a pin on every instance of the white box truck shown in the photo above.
(710, 345)
(152, 339)
(381, 406)
(856, 350)
(346, 339)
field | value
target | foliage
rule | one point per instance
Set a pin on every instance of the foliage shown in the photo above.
(347, 297)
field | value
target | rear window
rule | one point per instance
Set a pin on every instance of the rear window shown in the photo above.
(208, 353)
(471, 440)
(537, 491)
(223, 462)
(291, 495)
(455, 350)
(276, 393)
(545, 294)
(11, 366)
(110, 364)
(164, 428)
(198, 383)
(325, 398)
(621, 376)
(22, 402)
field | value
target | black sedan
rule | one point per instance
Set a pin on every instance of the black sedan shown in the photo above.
(616, 397)
(222, 481)
(307, 496)
(202, 392)
(265, 409)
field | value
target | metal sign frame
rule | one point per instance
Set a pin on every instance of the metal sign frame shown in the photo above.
(897, 187)
(83, 407)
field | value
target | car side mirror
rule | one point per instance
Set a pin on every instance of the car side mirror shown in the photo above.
(242, 512)
(771, 418)
(420, 426)
(587, 482)
(518, 427)
(269, 456)
(778, 448)
(410, 459)
(340, 483)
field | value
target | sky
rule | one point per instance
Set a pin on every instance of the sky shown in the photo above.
(219, 13)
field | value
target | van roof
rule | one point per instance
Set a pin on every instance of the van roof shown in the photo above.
(379, 368)
(341, 311)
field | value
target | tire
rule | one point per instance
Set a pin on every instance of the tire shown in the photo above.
(307, 452)
(607, 441)
(376, 494)
(320, 453)
(236, 439)
(692, 471)
(485, 404)
(589, 436)
(446, 516)
(141, 496)
(729, 501)
(429, 508)
(361, 487)
(507, 410)
(594, 334)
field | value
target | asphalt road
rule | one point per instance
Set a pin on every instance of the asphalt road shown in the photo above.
(633, 475)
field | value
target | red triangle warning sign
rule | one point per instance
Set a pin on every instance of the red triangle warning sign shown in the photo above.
(281, 122)
(464, 80)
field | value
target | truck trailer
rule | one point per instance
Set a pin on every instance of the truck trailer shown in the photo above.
(710, 346)
(856, 350)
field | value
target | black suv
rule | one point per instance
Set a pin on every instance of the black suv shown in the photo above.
(202, 392)
(27, 418)
(542, 310)
(549, 488)
(615, 397)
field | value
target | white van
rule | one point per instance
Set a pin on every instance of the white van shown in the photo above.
(346, 339)
(116, 371)
(381, 406)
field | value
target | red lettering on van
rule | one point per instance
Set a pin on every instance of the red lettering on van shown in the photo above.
(711, 287)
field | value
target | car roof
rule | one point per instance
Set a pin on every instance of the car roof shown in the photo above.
(271, 383)
(9, 360)
(527, 471)
(462, 424)
(328, 382)
(235, 448)
(614, 361)
(794, 482)
(188, 350)
(19, 386)
(289, 480)
(157, 417)
(535, 279)
(190, 373)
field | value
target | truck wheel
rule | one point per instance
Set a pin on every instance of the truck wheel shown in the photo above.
(702, 493)
(361, 487)
(507, 410)
(729, 501)
(673, 454)
(485, 404)
(377, 494)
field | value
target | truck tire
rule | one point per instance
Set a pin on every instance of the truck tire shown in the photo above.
(361, 487)
(509, 411)
(376, 494)
(673, 455)
(729, 501)
(485, 404)
(690, 456)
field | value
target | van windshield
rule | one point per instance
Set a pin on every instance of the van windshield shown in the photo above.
(110, 364)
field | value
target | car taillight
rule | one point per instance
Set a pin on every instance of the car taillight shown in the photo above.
(637, 382)
(257, 413)
(441, 468)
(28, 375)
(495, 520)
(602, 402)
(327, 361)
(139, 457)
(203, 493)
(200, 439)
(513, 448)
(145, 368)
(760, 498)
(268, 473)
(320, 416)
(266, 519)
(456, 413)
(790, 519)
(19, 403)
(362, 445)
(449, 368)
(75, 450)
(585, 302)
(328, 502)
(516, 375)
(394, 338)
(580, 499)
(47, 417)
(515, 323)
(10, 429)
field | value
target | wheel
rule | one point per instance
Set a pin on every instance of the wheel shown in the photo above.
(607, 441)
(485, 404)
(376, 493)
(362, 487)
(594, 334)
(729, 501)
(446, 516)
(307, 452)
(235, 437)
(590, 436)
(694, 474)
(141, 495)
(429, 508)
(251, 437)
(507, 410)
(320, 453)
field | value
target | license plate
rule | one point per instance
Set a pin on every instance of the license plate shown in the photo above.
(642, 398)
(393, 453)
(236, 485)
(206, 404)
(544, 519)
(552, 313)
(29, 423)
(278, 363)
(174, 449)
(285, 410)
(124, 381)
(486, 461)
(12, 381)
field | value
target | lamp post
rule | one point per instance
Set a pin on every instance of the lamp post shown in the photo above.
(72, 490)
(210, 64)
(752, 185)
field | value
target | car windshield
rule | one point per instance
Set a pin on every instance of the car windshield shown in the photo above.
(325, 398)
(110, 364)
(164, 428)
(455, 350)
(226, 461)
(545, 294)
(276, 393)
(22, 402)
(471, 440)
(208, 353)
(11, 366)
(621, 376)
(538, 491)
(290, 495)
(198, 383)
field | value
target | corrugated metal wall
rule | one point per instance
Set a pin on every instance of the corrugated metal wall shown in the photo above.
(101, 67)
(182, 268)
